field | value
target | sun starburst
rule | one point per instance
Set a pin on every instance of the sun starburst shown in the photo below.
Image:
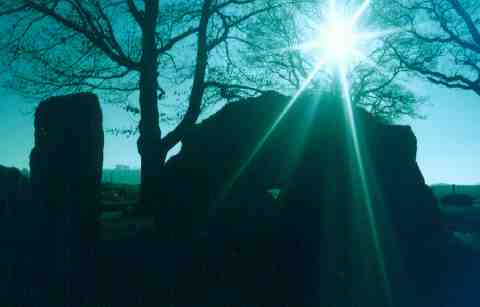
(341, 42)
(339, 39)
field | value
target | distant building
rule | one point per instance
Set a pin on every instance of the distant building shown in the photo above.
(121, 174)
(122, 167)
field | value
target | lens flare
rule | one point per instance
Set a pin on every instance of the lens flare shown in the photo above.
(229, 184)
(360, 176)
(340, 40)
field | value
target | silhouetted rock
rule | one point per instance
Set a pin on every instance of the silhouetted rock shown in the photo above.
(214, 160)
(15, 227)
(66, 167)
(358, 224)
(18, 214)
(14, 191)
(362, 207)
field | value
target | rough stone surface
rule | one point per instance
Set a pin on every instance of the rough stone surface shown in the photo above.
(357, 222)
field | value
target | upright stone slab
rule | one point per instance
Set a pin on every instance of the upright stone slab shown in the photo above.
(66, 167)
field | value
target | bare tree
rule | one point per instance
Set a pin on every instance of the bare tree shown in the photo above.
(182, 55)
(375, 81)
(437, 39)
(129, 47)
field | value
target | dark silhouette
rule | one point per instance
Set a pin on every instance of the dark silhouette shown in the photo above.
(457, 199)
(67, 68)
(462, 200)
(18, 227)
(324, 243)
(66, 166)
(14, 190)
(336, 210)
(353, 223)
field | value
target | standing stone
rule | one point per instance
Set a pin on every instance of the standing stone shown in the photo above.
(14, 195)
(17, 229)
(66, 167)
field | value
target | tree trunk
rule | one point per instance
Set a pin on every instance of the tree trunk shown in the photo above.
(149, 143)
(152, 148)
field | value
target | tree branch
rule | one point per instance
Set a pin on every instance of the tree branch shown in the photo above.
(135, 12)
(198, 87)
(92, 36)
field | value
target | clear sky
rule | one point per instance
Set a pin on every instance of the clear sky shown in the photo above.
(448, 140)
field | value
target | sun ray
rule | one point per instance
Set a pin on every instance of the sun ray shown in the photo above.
(340, 41)
(229, 184)
(374, 35)
(356, 16)
(362, 177)
(337, 41)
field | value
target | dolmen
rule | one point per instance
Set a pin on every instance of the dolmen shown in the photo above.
(354, 222)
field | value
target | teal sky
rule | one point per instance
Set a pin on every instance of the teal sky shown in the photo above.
(448, 140)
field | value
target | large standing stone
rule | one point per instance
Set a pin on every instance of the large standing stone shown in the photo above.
(359, 224)
(66, 167)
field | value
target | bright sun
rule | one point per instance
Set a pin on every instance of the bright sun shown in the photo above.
(339, 40)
